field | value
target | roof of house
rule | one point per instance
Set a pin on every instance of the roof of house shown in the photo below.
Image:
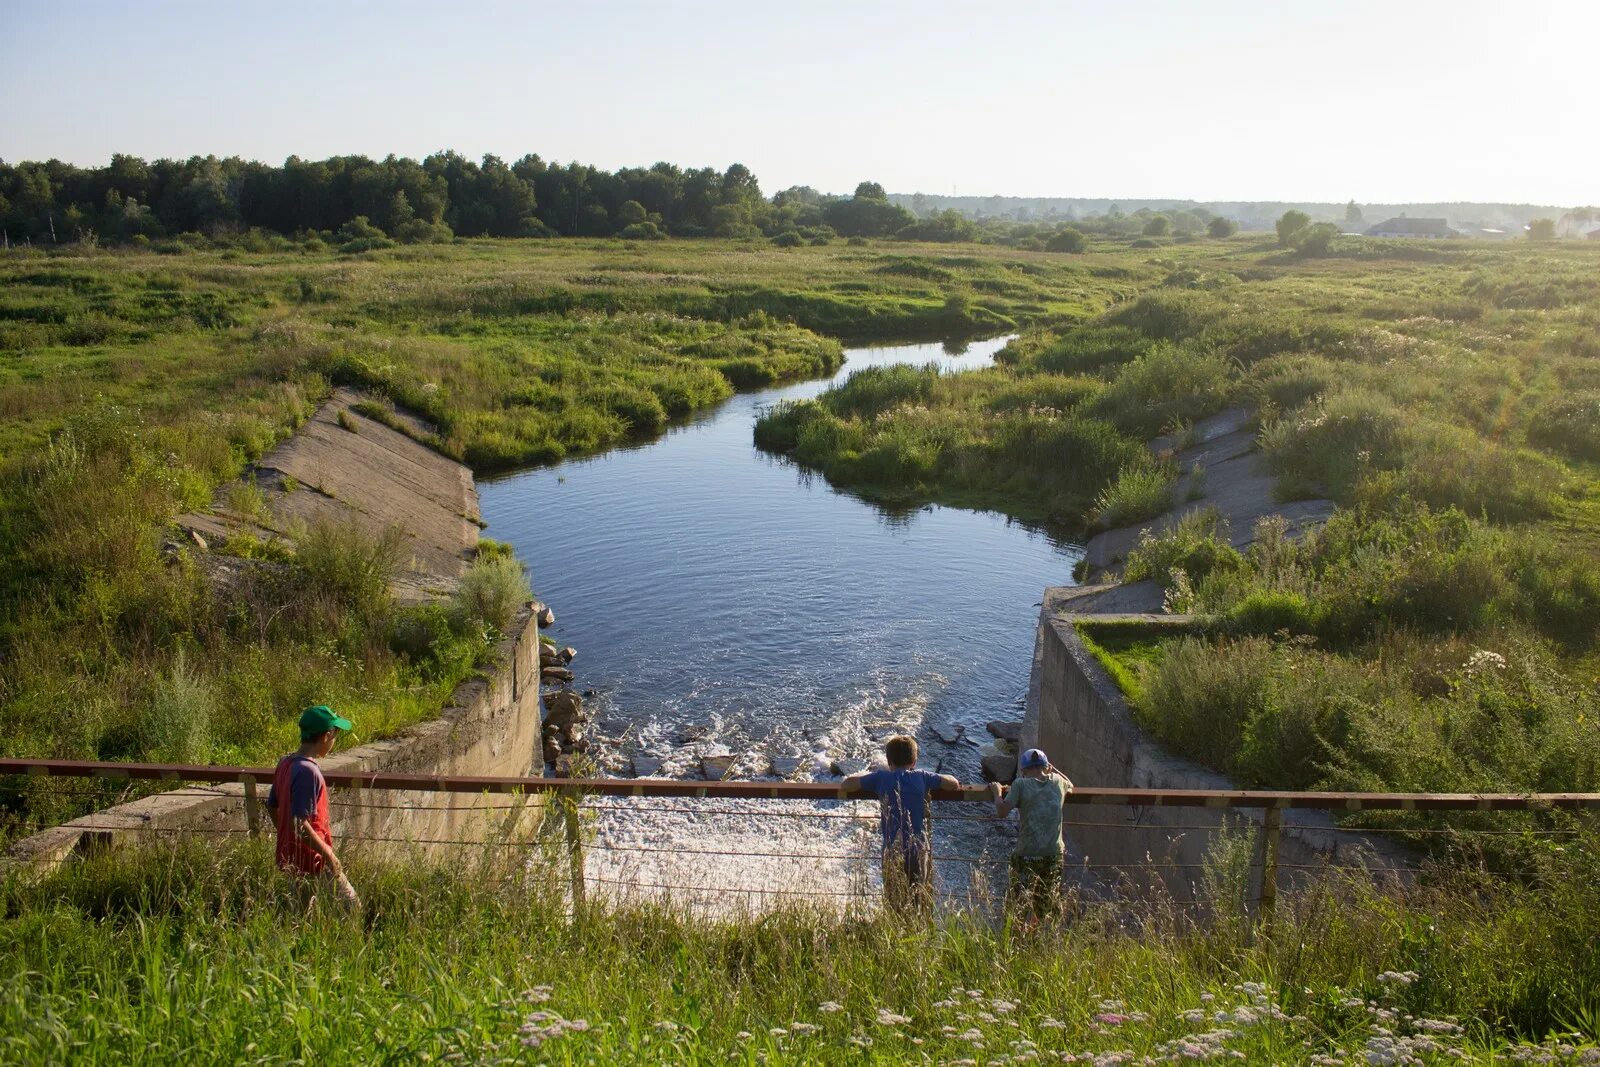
(1418, 227)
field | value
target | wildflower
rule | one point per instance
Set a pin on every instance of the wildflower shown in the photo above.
(975, 994)
(1002, 1007)
(666, 1026)
(803, 1028)
(829, 1007)
(778, 1031)
(1053, 1024)
(1111, 1018)
(539, 994)
(973, 1035)
(744, 1035)
(889, 1018)
(946, 1004)
(1483, 661)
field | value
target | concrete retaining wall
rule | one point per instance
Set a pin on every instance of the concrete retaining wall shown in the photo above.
(490, 727)
(1078, 716)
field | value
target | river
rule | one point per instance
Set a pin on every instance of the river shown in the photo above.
(725, 602)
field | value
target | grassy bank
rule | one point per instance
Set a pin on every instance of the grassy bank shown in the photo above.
(195, 956)
(1442, 632)
(133, 384)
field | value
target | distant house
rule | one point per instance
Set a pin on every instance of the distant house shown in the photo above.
(1594, 235)
(1404, 227)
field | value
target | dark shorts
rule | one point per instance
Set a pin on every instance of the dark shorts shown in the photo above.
(907, 875)
(1035, 883)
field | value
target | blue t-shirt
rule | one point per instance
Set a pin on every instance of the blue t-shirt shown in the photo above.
(902, 803)
(305, 784)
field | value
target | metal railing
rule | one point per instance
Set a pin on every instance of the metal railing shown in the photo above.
(509, 793)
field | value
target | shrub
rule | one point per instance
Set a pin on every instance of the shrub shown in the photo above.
(1139, 492)
(1568, 423)
(1200, 696)
(1196, 544)
(1068, 239)
(1220, 227)
(1337, 440)
(1166, 385)
(176, 725)
(642, 231)
(788, 239)
(352, 567)
(1270, 611)
(491, 592)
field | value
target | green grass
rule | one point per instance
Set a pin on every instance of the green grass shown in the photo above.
(1127, 651)
(1440, 399)
(201, 955)
(133, 385)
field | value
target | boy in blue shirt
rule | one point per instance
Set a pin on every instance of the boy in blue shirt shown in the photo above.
(902, 793)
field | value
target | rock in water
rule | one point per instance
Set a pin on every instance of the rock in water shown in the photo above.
(716, 768)
(950, 733)
(845, 766)
(999, 768)
(552, 751)
(1006, 731)
(646, 766)
(556, 674)
(546, 617)
(562, 708)
(568, 654)
(785, 766)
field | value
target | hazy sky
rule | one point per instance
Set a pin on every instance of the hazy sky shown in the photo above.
(1376, 100)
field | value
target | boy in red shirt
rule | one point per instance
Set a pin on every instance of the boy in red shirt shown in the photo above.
(298, 801)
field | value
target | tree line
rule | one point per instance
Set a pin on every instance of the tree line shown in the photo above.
(357, 199)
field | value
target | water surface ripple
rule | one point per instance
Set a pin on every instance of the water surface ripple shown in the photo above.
(724, 601)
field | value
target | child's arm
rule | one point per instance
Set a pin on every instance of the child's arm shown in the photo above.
(1004, 807)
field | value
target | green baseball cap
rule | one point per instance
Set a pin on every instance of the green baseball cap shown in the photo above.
(318, 720)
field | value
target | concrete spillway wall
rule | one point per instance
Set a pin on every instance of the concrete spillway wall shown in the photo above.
(1079, 717)
(369, 475)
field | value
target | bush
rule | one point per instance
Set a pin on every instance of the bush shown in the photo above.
(1336, 441)
(1220, 227)
(350, 566)
(788, 239)
(1167, 384)
(1271, 611)
(491, 593)
(1568, 423)
(642, 231)
(1067, 240)
(177, 725)
(1140, 492)
(1196, 545)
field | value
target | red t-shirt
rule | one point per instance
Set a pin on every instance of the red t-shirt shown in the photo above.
(299, 792)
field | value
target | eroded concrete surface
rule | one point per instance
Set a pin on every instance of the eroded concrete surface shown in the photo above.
(1235, 482)
(342, 467)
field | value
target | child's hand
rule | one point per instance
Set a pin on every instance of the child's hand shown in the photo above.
(994, 790)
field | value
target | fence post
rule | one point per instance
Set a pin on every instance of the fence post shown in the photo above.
(569, 817)
(1271, 830)
(252, 810)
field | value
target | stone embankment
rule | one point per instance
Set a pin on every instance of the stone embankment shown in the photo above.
(1077, 714)
(343, 467)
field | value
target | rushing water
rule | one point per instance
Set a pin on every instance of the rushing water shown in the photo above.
(725, 602)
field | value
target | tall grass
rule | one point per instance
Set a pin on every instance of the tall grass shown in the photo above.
(204, 956)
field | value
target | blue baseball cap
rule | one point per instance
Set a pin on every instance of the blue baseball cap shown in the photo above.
(1034, 758)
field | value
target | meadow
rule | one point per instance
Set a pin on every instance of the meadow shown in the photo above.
(1440, 634)
(204, 955)
(135, 384)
